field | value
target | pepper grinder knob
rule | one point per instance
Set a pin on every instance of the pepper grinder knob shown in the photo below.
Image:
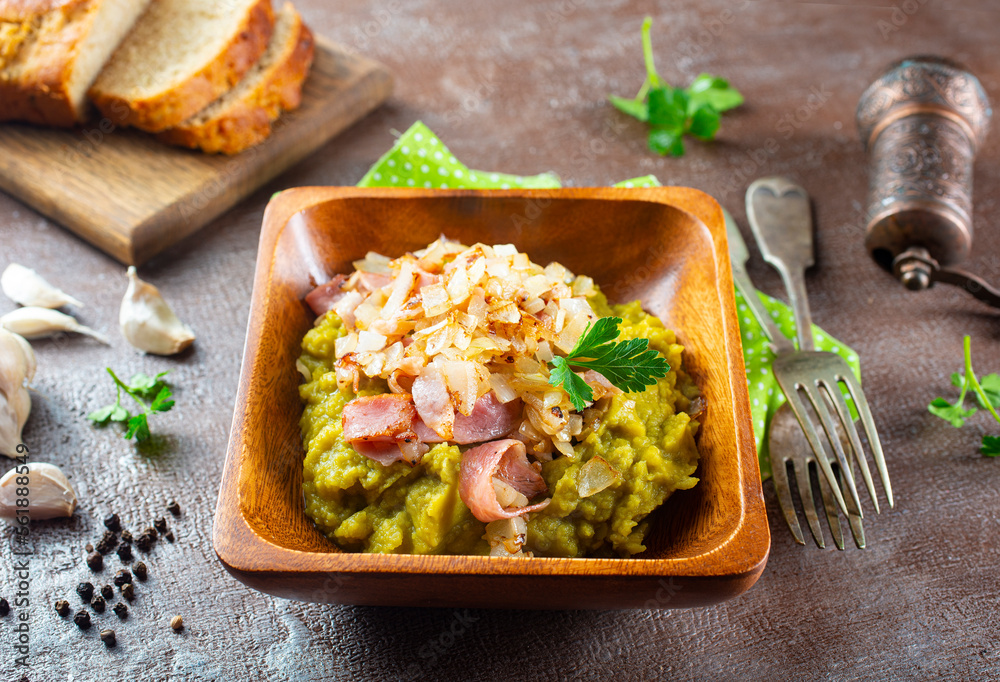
(921, 123)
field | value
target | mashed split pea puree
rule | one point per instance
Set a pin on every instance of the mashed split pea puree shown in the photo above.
(647, 438)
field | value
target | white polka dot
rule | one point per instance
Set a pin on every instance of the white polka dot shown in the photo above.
(756, 402)
(494, 177)
(391, 163)
(505, 186)
(852, 358)
(444, 185)
(629, 185)
(770, 391)
(519, 179)
(425, 168)
(472, 177)
(746, 320)
(438, 155)
(452, 159)
(760, 386)
(428, 184)
(408, 166)
(393, 179)
(421, 153)
(377, 176)
(774, 314)
(418, 137)
(836, 349)
(743, 307)
(442, 170)
(433, 141)
(458, 173)
(405, 149)
(410, 182)
(761, 424)
(749, 352)
(749, 336)
(763, 370)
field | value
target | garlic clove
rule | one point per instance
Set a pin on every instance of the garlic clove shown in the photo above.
(147, 321)
(25, 286)
(17, 361)
(50, 494)
(10, 431)
(33, 322)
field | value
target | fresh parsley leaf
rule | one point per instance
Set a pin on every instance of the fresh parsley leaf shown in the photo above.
(954, 414)
(138, 427)
(141, 388)
(634, 108)
(673, 112)
(630, 365)
(987, 395)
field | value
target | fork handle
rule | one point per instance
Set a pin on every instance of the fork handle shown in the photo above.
(779, 342)
(795, 284)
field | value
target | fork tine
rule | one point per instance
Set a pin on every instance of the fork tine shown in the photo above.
(866, 418)
(844, 412)
(801, 468)
(819, 405)
(799, 408)
(779, 475)
(857, 530)
(832, 517)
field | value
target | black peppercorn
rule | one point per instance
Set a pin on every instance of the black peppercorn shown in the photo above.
(174, 508)
(125, 552)
(151, 532)
(108, 592)
(86, 592)
(108, 637)
(169, 536)
(160, 524)
(126, 536)
(139, 570)
(4, 607)
(113, 523)
(121, 610)
(98, 604)
(88, 548)
(95, 561)
(62, 607)
(145, 541)
(82, 619)
(128, 591)
(122, 577)
(107, 542)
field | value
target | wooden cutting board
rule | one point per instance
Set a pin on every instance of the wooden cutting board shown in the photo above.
(132, 196)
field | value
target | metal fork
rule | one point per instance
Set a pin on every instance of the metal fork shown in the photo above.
(786, 441)
(780, 217)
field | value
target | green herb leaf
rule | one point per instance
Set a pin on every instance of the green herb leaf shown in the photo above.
(991, 446)
(138, 427)
(673, 112)
(141, 388)
(630, 365)
(705, 123)
(633, 107)
(954, 414)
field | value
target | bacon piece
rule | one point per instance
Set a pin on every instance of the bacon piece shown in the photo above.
(503, 459)
(430, 396)
(489, 419)
(323, 298)
(368, 282)
(380, 427)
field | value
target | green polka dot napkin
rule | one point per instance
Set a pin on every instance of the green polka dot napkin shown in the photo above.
(420, 159)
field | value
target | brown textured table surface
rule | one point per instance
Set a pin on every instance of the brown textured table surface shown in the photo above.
(523, 90)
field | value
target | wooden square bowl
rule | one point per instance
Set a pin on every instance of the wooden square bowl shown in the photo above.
(665, 246)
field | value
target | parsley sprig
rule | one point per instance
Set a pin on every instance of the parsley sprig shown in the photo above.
(987, 394)
(151, 393)
(673, 112)
(629, 365)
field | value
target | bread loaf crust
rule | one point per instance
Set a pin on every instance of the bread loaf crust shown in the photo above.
(167, 109)
(39, 92)
(248, 122)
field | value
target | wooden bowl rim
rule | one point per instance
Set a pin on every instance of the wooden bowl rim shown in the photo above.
(743, 554)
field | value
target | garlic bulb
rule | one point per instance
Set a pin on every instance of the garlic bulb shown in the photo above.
(147, 321)
(17, 367)
(25, 286)
(33, 322)
(50, 494)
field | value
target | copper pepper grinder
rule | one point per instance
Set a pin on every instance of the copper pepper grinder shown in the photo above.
(922, 123)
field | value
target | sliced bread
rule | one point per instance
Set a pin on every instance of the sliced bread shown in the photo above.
(242, 117)
(181, 56)
(52, 50)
